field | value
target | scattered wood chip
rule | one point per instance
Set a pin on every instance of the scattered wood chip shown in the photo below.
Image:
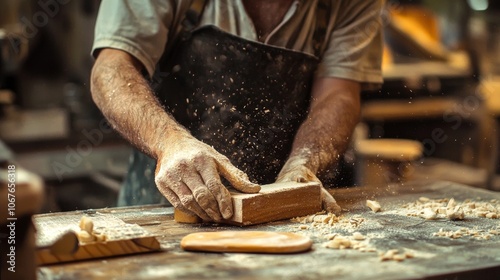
(428, 214)
(85, 237)
(374, 205)
(455, 213)
(395, 255)
(87, 224)
(358, 236)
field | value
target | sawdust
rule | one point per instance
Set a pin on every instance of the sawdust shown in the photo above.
(356, 241)
(449, 208)
(323, 224)
(395, 255)
(473, 233)
(317, 220)
(352, 231)
(329, 220)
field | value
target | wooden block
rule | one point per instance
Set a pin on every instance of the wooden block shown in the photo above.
(275, 202)
(246, 242)
(186, 218)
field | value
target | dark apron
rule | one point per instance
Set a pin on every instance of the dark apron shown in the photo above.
(244, 98)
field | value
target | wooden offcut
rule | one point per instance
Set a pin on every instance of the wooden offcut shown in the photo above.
(121, 239)
(186, 218)
(274, 202)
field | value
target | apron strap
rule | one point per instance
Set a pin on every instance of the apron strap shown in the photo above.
(189, 23)
(323, 10)
(193, 15)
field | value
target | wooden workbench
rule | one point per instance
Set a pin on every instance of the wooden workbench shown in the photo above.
(435, 257)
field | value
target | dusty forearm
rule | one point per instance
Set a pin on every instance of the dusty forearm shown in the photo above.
(188, 170)
(126, 100)
(326, 133)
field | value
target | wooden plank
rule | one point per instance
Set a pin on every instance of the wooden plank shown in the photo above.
(121, 238)
(274, 202)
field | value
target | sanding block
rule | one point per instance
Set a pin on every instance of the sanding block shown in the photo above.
(274, 202)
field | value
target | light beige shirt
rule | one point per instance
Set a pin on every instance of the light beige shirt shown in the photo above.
(352, 49)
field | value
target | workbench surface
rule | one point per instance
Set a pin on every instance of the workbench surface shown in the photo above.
(434, 257)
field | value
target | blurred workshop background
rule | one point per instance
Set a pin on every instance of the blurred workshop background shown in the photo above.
(436, 116)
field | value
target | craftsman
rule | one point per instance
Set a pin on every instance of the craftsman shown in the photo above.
(232, 92)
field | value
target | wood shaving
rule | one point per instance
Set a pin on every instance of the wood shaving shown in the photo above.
(317, 220)
(86, 224)
(395, 255)
(348, 242)
(466, 232)
(85, 237)
(87, 233)
(358, 236)
(374, 205)
(429, 214)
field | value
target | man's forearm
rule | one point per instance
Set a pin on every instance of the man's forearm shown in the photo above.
(326, 133)
(188, 170)
(127, 101)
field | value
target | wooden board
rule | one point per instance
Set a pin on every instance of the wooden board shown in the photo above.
(246, 242)
(121, 239)
(274, 202)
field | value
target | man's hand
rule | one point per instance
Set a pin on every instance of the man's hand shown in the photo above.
(295, 171)
(187, 174)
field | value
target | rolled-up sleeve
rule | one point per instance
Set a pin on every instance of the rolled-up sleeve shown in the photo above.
(354, 49)
(139, 27)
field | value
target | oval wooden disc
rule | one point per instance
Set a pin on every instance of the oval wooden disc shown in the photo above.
(246, 242)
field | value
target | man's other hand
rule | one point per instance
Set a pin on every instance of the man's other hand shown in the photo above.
(294, 171)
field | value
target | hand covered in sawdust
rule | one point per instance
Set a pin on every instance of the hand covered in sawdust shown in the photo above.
(187, 174)
(293, 172)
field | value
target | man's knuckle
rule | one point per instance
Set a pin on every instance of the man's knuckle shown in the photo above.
(183, 164)
(224, 159)
(174, 202)
(213, 183)
(199, 158)
(204, 202)
(187, 200)
(198, 193)
(160, 179)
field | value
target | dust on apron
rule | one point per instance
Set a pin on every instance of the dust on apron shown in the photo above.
(244, 98)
